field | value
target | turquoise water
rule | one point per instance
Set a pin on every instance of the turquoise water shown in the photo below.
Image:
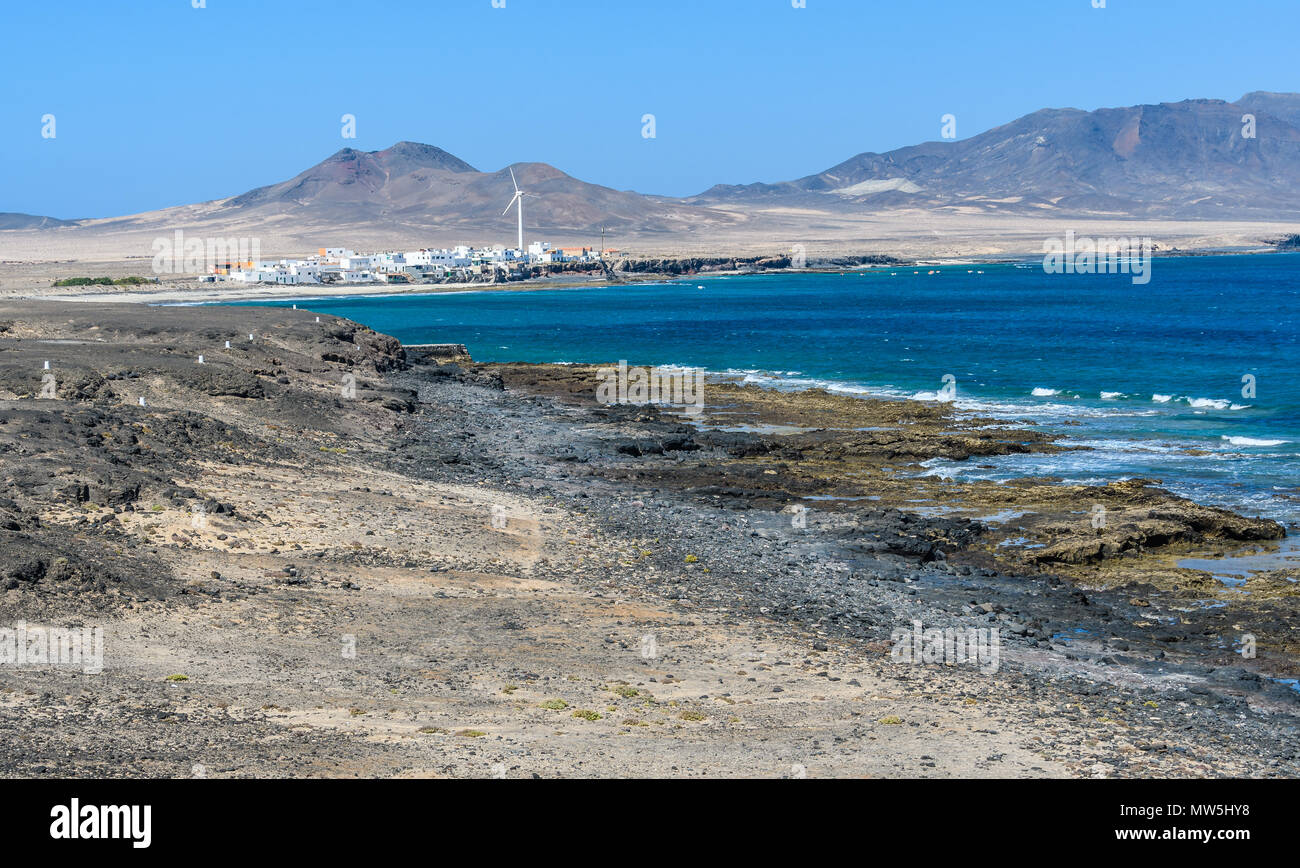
(1153, 373)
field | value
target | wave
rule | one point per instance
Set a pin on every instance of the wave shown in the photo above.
(1046, 411)
(1064, 407)
(1107, 445)
(1252, 441)
(1196, 403)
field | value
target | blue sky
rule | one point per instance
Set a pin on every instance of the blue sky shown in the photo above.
(157, 103)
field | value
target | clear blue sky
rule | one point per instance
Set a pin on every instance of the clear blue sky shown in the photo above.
(157, 103)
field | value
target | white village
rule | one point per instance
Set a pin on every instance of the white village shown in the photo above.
(338, 265)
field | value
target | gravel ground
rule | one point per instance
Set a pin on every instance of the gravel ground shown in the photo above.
(442, 576)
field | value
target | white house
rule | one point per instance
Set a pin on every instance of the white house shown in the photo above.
(306, 272)
(427, 257)
(388, 263)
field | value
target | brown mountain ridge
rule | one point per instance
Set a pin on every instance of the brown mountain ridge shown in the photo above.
(1190, 160)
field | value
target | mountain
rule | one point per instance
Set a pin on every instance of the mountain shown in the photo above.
(1283, 106)
(10, 220)
(408, 194)
(418, 192)
(374, 180)
(1191, 160)
(1186, 159)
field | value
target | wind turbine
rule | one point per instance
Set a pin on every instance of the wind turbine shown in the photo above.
(517, 199)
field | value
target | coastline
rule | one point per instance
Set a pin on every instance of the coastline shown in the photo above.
(184, 292)
(1191, 437)
(498, 547)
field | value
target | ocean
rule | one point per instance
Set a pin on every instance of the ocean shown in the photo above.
(1193, 379)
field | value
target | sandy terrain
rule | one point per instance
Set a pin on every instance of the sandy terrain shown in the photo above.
(473, 571)
(30, 261)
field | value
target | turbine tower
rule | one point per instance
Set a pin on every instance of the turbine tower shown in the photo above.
(517, 200)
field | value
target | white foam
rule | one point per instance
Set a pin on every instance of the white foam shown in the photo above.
(1155, 447)
(1212, 403)
(1046, 411)
(1252, 441)
(1111, 396)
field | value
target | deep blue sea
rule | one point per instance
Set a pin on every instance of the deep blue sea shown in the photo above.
(1155, 374)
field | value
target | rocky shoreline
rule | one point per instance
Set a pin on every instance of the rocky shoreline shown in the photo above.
(531, 583)
(857, 460)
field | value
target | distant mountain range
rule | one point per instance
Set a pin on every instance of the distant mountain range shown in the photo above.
(1192, 159)
(1186, 159)
(416, 191)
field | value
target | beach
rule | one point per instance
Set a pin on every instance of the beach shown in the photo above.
(319, 554)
